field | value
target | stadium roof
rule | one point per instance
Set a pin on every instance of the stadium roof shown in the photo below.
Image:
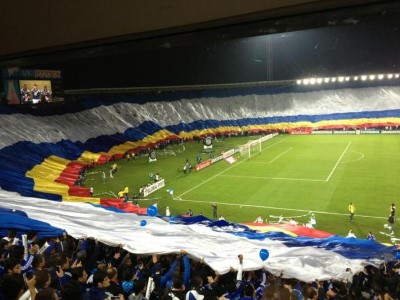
(101, 44)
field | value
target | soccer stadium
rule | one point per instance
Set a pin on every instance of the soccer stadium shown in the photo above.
(263, 165)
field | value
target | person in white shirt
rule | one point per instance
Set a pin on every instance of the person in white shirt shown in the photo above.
(259, 220)
(351, 234)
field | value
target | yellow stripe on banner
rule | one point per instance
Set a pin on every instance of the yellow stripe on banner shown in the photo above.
(88, 157)
(45, 174)
(154, 138)
(81, 199)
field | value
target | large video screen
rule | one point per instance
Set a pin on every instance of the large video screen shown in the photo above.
(35, 91)
(32, 86)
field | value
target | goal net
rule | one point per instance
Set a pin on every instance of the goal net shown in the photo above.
(250, 148)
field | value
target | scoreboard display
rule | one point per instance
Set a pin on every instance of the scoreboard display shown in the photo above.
(30, 86)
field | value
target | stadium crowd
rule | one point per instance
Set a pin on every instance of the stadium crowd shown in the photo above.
(63, 267)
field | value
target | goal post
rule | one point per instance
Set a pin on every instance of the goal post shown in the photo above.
(253, 147)
(250, 148)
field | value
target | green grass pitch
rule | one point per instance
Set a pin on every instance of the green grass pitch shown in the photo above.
(291, 176)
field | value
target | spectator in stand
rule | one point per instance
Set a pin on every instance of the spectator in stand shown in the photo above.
(12, 265)
(13, 286)
(99, 289)
(234, 287)
(12, 237)
(18, 252)
(115, 288)
(80, 277)
(38, 262)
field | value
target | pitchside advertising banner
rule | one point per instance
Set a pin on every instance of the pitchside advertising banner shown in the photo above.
(153, 187)
(29, 86)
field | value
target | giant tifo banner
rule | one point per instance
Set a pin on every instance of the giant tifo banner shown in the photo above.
(41, 157)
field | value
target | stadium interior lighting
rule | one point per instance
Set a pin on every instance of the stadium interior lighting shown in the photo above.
(340, 79)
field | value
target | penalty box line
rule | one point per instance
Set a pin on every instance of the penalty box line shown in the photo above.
(278, 208)
(218, 174)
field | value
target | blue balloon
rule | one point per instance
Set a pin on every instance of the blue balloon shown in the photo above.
(143, 223)
(264, 254)
(152, 211)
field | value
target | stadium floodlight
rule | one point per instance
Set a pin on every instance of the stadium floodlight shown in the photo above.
(364, 77)
(396, 76)
(319, 80)
(298, 81)
(355, 78)
(380, 76)
(306, 81)
(327, 79)
(312, 80)
(341, 79)
(347, 78)
(333, 79)
(371, 77)
(389, 76)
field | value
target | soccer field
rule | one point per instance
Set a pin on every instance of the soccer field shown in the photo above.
(291, 176)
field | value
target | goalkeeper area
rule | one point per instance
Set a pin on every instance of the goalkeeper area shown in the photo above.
(250, 148)
(287, 175)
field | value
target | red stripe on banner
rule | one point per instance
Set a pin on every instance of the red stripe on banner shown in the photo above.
(79, 191)
(128, 207)
(71, 173)
(296, 229)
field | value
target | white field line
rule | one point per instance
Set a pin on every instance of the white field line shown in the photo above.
(205, 181)
(337, 163)
(282, 208)
(276, 178)
(263, 162)
(280, 155)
